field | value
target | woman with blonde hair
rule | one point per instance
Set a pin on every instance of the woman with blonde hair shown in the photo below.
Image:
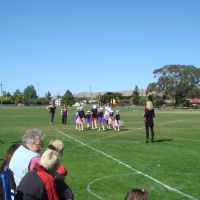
(63, 190)
(149, 114)
(39, 183)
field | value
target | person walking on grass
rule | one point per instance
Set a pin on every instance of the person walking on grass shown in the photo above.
(52, 109)
(149, 114)
(64, 114)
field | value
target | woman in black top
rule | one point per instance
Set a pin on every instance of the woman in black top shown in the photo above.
(52, 108)
(149, 114)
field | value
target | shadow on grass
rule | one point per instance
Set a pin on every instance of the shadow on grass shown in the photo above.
(163, 140)
(17, 142)
(124, 129)
(2, 142)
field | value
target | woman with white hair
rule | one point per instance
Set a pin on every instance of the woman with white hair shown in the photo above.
(27, 155)
(39, 183)
(149, 114)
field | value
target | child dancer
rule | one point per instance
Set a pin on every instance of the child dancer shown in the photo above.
(101, 119)
(88, 119)
(111, 120)
(106, 116)
(94, 117)
(117, 120)
(80, 119)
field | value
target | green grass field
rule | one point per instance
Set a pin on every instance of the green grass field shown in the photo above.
(107, 164)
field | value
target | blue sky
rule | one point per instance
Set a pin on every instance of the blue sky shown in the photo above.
(110, 45)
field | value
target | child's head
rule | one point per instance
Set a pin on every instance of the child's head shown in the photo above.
(56, 145)
(137, 194)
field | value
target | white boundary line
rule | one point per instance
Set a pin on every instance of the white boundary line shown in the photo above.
(128, 166)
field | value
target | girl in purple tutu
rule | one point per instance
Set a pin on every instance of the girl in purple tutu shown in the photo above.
(88, 119)
(100, 119)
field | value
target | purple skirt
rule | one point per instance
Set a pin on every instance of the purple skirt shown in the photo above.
(100, 119)
(87, 120)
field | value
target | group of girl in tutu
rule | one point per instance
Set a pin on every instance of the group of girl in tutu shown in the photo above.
(97, 118)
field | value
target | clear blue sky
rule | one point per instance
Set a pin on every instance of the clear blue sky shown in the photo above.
(112, 45)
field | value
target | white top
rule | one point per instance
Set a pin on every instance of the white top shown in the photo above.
(20, 161)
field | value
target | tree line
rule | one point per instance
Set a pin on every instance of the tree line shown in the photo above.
(178, 83)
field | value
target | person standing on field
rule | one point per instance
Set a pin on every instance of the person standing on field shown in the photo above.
(52, 108)
(149, 114)
(64, 114)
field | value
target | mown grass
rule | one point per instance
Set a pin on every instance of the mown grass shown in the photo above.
(106, 165)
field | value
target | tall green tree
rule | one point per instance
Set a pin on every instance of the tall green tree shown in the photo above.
(18, 96)
(47, 98)
(68, 98)
(136, 96)
(29, 95)
(176, 81)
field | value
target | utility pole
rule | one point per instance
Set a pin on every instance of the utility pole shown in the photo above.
(90, 91)
(1, 93)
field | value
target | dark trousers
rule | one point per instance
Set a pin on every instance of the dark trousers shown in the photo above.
(51, 117)
(64, 119)
(147, 132)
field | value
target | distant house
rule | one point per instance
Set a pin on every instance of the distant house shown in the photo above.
(195, 101)
(56, 100)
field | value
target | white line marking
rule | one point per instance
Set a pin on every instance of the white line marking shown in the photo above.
(129, 167)
(90, 191)
(99, 179)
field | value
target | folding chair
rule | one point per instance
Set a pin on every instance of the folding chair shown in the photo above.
(8, 195)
